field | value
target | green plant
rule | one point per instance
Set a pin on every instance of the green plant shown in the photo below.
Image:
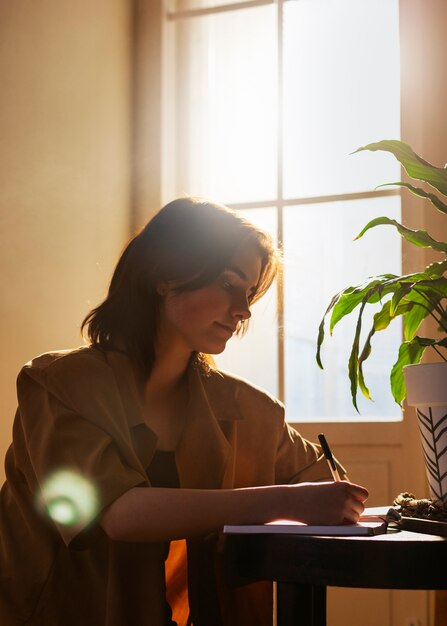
(413, 297)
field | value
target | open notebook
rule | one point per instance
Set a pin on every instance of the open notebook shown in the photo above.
(374, 521)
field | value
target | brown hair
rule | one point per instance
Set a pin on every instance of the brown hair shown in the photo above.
(188, 242)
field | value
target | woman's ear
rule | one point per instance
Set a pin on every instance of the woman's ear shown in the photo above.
(162, 288)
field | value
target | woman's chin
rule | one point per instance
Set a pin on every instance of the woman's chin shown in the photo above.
(215, 348)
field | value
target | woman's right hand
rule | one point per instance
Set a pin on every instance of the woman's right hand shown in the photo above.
(323, 503)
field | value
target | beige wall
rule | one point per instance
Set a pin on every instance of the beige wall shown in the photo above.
(64, 172)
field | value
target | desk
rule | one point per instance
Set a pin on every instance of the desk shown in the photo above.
(304, 566)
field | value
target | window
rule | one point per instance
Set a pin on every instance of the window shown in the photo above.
(265, 101)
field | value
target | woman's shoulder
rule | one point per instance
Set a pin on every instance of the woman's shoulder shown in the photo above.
(66, 360)
(83, 379)
(79, 366)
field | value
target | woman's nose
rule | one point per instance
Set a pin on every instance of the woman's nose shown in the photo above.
(240, 309)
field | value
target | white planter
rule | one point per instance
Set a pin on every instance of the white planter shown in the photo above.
(427, 391)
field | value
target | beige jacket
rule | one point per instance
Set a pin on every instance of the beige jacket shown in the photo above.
(80, 410)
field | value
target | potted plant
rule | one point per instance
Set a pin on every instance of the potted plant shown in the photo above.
(413, 298)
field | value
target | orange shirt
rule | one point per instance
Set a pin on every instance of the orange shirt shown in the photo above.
(80, 411)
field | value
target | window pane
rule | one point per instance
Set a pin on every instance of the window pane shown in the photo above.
(321, 259)
(225, 142)
(341, 79)
(255, 356)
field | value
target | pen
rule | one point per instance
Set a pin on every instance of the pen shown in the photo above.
(329, 458)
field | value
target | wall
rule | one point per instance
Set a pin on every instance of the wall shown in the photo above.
(147, 110)
(64, 172)
(424, 93)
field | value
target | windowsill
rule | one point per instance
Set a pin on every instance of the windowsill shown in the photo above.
(383, 432)
(343, 420)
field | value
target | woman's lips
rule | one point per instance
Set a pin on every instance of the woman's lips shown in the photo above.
(227, 327)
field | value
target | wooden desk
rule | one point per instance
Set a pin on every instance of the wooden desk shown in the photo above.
(304, 566)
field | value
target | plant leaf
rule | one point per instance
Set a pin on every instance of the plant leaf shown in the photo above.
(433, 292)
(436, 269)
(437, 285)
(418, 237)
(381, 321)
(425, 296)
(353, 369)
(363, 388)
(410, 353)
(414, 317)
(418, 191)
(321, 330)
(414, 165)
(347, 300)
(350, 298)
(403, 289)
(384, 317)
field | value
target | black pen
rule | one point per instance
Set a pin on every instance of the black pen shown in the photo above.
(329, 458)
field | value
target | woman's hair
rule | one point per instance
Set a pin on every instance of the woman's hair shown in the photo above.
(188, 243)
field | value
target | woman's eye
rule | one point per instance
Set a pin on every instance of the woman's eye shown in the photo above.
(226, 281)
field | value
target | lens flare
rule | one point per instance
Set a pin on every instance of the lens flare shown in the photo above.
(69, 499)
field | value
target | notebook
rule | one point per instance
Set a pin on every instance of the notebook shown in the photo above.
(372, 522)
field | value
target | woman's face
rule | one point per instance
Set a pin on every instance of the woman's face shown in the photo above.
(203, 320)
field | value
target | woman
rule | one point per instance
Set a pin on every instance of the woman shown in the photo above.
(137, 439)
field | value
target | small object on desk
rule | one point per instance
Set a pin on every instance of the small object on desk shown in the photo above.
(329, 458)
(421, 525)
(422, 508)
(422, 515)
